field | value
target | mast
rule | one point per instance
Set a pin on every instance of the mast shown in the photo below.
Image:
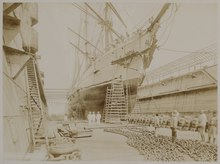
(159, 16)
(86, 35)
(107, 20)
(103, 22)
(116, 13)
(106, 27)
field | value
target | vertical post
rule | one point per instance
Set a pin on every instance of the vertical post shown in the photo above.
(106, 27)
(86, 34)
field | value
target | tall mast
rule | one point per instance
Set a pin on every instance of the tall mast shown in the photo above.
(103, 22)
(86, 34)
(159, 16)
(106, 27)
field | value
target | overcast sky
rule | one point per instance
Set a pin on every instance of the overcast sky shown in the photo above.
(194, 27)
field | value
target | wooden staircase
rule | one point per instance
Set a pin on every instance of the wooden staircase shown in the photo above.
(137, 107)
(116, 103)
(37, 113)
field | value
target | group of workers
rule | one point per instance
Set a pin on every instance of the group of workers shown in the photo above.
(204, 122)
(210, 123)
(173, 125)
(94, 118)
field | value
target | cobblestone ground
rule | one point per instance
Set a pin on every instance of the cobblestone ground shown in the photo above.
(104, 146)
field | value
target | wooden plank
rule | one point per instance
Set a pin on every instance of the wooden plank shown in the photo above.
(21, 68)
(125, 58)
(11, 7)
(12, 51)
(10, 22)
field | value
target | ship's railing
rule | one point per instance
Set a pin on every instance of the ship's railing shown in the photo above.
(190, 63)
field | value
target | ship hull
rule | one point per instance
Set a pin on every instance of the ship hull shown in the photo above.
(93, 99)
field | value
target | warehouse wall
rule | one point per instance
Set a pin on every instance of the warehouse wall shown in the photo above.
(184, 102)
(181, 83)
(16, 130)
(189, 93)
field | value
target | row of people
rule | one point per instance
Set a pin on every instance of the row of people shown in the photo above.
(164, 121)
(94, 118)
(210, 123)
(201, 124)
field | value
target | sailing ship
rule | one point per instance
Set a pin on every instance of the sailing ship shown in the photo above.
(123, 59)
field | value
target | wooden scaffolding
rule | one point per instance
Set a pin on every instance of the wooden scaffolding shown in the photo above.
(116, 103)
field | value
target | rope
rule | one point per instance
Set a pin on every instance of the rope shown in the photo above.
(82, 9)
(173, 20)
(150, 91)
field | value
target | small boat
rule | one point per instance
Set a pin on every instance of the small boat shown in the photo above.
(84, 133)
(66, 131)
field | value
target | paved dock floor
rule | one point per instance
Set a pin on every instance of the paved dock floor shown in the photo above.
(107, 146)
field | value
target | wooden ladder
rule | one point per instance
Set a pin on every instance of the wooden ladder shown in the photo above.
(107, 105)
(137, 107)
(116, 104)
(37, 113)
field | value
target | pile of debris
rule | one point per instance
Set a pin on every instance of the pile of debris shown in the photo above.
(63, 146)
(161, 148)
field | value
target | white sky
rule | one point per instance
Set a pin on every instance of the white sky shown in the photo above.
(194, 28)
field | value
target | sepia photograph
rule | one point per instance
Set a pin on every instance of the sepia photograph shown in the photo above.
(109, 81)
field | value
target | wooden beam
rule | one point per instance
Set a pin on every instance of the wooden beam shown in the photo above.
(159, 16)
(11, 28)
(125, 58)
(21, 69)
(18, 57)
(41, 88)
(10, 21)
(11, 8)
(174, 92)
(19, 60)
(11, 51)
(209, 76)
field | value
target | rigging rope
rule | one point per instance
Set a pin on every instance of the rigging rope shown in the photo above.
(77, 65)
(171, 27)
(147, 21)
(151, 95)
(82, 9)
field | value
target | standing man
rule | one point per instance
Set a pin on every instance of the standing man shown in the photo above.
(93, 118)
(174, 121)
(89, 117)
(202, 124)
(212, 131)
(156, 124)
(65, 117)
(98, 118)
